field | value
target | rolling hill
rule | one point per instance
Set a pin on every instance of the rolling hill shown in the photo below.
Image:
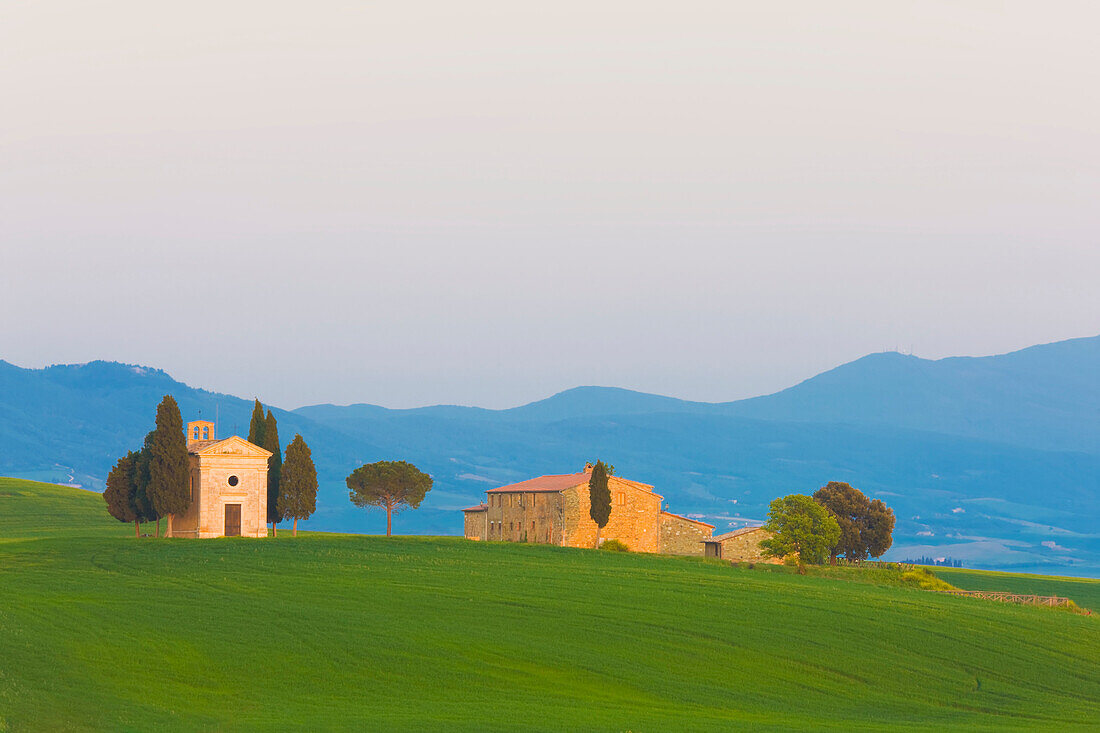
(991, 460)
(99, 630)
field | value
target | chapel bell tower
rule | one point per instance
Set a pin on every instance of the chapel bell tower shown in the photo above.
(199, 430)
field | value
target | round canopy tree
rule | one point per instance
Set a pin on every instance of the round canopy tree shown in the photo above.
(390, 485)
(866, 527)
(878, 531)
(801, 527)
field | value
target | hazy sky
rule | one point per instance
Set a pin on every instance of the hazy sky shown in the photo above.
(486, 202)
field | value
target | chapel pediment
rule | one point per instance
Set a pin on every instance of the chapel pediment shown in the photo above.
(234, 446)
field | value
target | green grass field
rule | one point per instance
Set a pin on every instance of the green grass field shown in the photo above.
(1083, 591)
(99, 630)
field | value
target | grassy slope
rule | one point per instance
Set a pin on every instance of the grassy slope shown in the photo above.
(100, 630)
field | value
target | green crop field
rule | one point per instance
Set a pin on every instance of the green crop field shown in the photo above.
(1083, 591)
(100, 630)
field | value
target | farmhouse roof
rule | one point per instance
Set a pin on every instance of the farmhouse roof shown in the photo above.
(560, 482)
(635, 484)
(734, 533)
(687, 519)
(478, 508)
(545, 483)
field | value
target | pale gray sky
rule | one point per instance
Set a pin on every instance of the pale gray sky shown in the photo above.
(486, 202)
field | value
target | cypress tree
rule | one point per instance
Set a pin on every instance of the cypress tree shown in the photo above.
(142, 499)
(256, 427)
(599, 498)
(274, 468)
(298, 483)
(120, 493)
(169, 467)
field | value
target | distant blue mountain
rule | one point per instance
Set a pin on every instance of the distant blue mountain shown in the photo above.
(576, 402)
(995, 460)
(78, 419)
(1043, 397)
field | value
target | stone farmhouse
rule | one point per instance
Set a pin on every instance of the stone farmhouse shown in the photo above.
(742, 545)
(228, 486)
(555, 510)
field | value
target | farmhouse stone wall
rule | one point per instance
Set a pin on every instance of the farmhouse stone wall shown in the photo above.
(525, 516)
(476, 524)
(555, 510)
(682, 536)
(745, 547)
(634, 517)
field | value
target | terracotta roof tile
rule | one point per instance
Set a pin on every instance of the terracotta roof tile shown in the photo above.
(561, 482)
(688, 519)
(636, 484)
(544, 483)
(734, 533)
(478, 508)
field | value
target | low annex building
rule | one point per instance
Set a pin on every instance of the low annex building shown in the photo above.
(742, 545)
(555, 510)
(228, 486)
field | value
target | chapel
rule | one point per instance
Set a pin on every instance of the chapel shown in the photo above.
(228, 486)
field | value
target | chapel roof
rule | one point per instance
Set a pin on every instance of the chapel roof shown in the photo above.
(232, 445)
